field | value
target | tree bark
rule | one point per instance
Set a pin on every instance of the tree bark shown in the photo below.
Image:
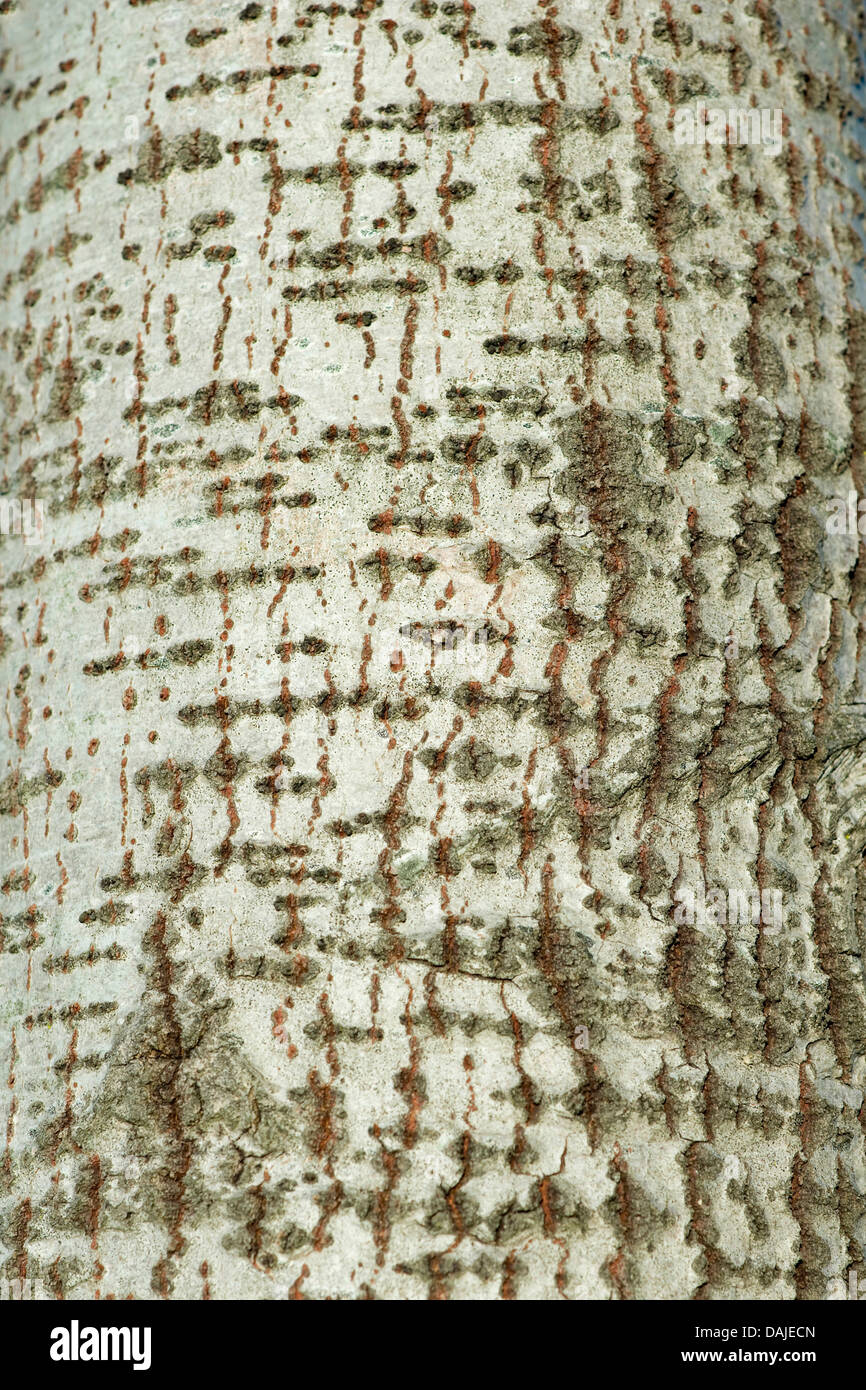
(435, 589)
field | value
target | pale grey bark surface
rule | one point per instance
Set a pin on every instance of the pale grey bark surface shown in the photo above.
(344, 962)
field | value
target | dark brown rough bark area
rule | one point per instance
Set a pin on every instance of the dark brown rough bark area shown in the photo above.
(432, 794)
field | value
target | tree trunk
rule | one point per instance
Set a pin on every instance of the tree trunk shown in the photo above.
(433, 806)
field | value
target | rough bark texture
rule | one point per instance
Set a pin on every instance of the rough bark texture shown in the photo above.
(336, 963)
